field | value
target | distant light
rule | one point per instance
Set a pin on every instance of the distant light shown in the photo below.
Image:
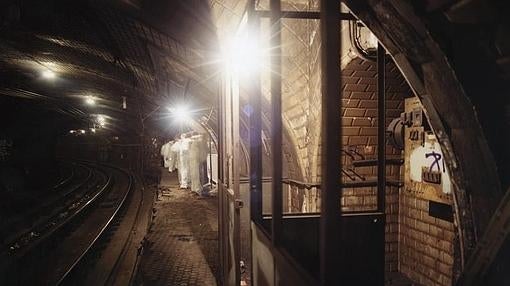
(48, 74)
(101, 120)
(72, 131)
(90, 100)
(124, 103)
(82, 131)
(93, 130)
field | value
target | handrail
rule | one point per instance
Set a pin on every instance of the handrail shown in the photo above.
(350, 184)
(246, 180)
(374, 162)
(301, 184)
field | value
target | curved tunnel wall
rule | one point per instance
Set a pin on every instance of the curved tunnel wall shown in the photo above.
(448, 109)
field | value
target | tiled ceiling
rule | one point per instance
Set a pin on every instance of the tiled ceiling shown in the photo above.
(146, 51)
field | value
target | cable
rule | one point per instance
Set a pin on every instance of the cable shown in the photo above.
(355, 37)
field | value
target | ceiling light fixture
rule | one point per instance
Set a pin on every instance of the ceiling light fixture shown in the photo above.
(48, 74)
(101, 120)
(180, 113)
(90, 100)
(243, 53)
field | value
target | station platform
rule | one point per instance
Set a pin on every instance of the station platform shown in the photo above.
(182, 243)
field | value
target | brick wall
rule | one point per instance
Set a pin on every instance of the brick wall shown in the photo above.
(426, 243)
(301, 77)
(359, 121)
(301, 117)
(417, 245)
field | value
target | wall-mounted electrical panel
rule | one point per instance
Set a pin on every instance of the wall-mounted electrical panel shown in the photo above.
(426, 174)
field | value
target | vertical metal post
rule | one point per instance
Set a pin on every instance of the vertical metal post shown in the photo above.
(236, 160)
(210, 160)
(221, 206)
(330, 242)
(253, 84)
(276, 121)
(381, 135)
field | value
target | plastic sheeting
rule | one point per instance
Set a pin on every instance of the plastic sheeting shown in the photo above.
(184, 166)
(189, 156)
(169, 156)
(198, 164)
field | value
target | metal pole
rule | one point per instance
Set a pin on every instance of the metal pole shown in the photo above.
(381, 137)
(276, 121)
(210, 161)
(221, 165)
(253, 83)
(330, 223)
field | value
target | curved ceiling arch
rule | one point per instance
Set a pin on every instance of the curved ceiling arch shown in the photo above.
(449, 111)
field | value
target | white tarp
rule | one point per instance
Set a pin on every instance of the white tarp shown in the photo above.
(184, 166)
(189, 156)
(198, 164)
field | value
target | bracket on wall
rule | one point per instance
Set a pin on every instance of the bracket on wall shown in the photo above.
(238, 204)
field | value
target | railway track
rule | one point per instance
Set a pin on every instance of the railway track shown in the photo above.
(63, 248)
(12, 227)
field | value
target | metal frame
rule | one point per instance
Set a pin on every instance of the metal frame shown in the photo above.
(331, 216)
(255, 128)
(331, 143)
(276, 121)
(381, 130)
(331, 106)
(302, 15)
(228, 178)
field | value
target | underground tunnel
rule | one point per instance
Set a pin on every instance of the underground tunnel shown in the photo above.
(254, 142)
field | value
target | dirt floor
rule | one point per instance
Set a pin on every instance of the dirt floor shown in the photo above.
(182, 245)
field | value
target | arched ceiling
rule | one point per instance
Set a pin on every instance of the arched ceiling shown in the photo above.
(154, 53)
(150, 52)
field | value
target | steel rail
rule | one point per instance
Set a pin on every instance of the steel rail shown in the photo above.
(113, 274)
(56, 205)
(102, 230)
(65, 180)
(59, 225)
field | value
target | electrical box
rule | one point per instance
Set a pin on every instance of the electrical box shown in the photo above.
(426, 174)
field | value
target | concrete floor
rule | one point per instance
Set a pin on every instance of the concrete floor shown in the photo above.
(183, 241)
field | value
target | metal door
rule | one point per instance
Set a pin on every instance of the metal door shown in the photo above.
(228, 185)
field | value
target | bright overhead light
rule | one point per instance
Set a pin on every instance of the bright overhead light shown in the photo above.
(243, 53)
(48, 74)
(90, 100)
(180, 113)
